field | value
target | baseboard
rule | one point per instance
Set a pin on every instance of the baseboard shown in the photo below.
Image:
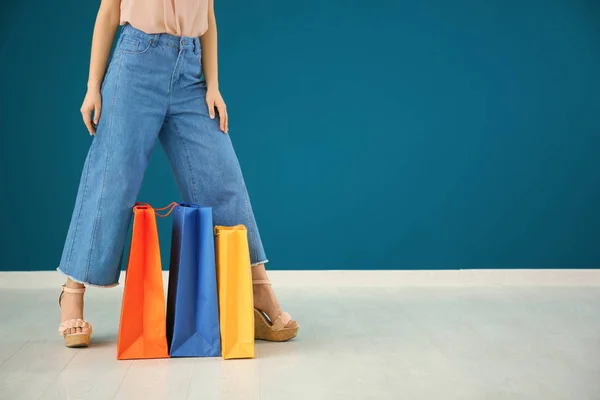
(337, 278)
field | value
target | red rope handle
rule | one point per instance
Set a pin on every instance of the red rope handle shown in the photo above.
(170, 207)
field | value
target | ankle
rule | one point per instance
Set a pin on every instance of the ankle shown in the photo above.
(259, 273)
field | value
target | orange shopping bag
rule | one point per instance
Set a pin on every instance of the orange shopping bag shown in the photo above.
(142, 330)
(234, 283)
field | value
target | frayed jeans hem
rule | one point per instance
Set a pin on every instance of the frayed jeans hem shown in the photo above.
(259, 263)
(86, 283)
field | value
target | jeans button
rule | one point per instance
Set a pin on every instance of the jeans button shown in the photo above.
(182, 42)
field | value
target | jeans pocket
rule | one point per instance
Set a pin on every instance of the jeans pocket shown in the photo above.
(130, 44)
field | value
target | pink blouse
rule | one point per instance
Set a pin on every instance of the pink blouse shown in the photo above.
(176, 17)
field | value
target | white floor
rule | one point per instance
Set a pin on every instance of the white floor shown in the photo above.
(356, 342)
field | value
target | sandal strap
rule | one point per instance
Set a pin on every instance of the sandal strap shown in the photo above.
(261, 282)
(73, 290)
(66, 289)
(75, 323)
(281, 321)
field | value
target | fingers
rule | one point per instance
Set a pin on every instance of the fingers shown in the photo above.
(223, 117)
(211, 107)
(97, 110)
(86, 113)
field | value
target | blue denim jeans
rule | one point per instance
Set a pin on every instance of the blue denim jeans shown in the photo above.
(153, 88)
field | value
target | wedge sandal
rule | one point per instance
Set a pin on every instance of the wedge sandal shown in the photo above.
(273, 331)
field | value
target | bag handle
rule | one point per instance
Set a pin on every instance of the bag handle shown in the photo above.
(170, 207)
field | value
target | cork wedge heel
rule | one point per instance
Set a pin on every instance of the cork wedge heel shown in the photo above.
(273, 331)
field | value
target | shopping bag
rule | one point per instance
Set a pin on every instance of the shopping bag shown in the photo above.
(192, 304)
(142, 329)
(234, 282)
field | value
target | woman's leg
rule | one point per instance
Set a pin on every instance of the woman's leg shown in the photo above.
(135, 100)
(207, 173)
(206, 168)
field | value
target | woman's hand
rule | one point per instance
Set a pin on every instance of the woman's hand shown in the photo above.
(91, 102)
(215, 100)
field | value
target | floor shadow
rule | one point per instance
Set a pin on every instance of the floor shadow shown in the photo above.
(104, 341)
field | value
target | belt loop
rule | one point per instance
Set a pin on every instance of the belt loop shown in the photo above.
(196, 45)
(154, 39)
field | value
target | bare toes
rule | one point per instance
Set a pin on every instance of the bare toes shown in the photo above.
(291, 324)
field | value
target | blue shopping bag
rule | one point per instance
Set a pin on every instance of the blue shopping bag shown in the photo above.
(192, 302)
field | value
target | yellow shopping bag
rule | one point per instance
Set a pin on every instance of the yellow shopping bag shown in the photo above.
(234, 282)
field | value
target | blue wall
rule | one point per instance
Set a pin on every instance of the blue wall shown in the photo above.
(383, 134)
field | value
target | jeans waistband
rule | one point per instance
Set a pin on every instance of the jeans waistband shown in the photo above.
(165, 39)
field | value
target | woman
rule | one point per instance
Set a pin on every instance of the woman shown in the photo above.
(153, 89)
